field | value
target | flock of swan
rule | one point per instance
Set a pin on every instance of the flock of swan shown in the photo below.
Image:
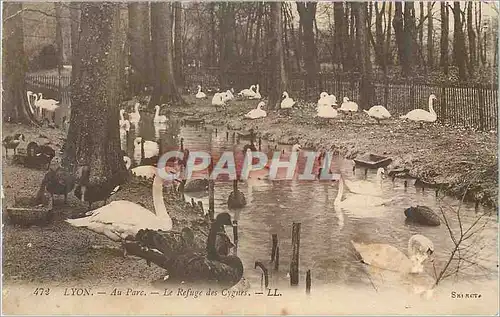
(325, 107)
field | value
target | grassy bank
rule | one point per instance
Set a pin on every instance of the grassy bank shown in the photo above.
(462, 160)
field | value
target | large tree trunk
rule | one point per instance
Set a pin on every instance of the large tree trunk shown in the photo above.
(93, 137)
(409, 38)
(75, 38)
(444, 37)
(140, 46)
(278, 83)
(459, 50)
(179, 74)
(307, 13)
(366, 86)
(398, 25)
(387, 48)
(379, 34)
(60, 46)
(472, 40)
(477, 15)
(430, 36)
(339, 36)
(227, 41)
(14, 99)
(165, 90)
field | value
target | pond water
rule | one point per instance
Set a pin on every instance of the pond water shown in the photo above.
(326, 232)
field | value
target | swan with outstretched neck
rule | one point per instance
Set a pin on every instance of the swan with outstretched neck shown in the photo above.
(420, 115)
(121, 220)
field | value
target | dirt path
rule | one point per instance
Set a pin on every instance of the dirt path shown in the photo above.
(438, 154)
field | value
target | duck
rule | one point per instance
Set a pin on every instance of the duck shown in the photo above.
(90, 192)
(11, 142)
(200, 94)
(159, 119)
(198, 267)
(288, 102)
(257, 113)
(249, 92)
(422, 215)
(236, 198)
(57, 181)
(326, 111)
(135, 117)
(357, 200)
(124, 124)
(378, 113)
(366, 187)
(150, 148)
(420, 115)
(326, 100)
(348, 106)
(121, 220)
(218, 99)
(256, 95)
(409, 269)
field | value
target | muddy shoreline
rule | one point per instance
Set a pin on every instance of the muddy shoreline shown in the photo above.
(458, 161)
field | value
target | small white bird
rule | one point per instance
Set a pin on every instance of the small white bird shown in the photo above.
(135, 116)
(256, 95)
(159, 118)
(257, 113)
(151, 148)
(124, 124)
(219, 99)
(378, 113)
(326, 100)
(247, 92)
(228, 95)
(348, 106)
(200, 94)
(420, 115)
(288, 102)
(324, 111)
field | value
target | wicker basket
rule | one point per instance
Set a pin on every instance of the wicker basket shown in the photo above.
(26, 213)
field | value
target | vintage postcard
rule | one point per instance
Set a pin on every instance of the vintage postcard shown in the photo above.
(250, 158)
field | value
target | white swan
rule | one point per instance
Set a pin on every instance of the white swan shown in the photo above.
(326, 111)
(326, 100)
(122, 219)
(50, 105)
(257, 113)
(226, 96)
(256, 95)
(420, 115)
(378, 113)
(124, 124)
(288, 102)
(151, 148)
(147, 171)
(365, 187)
(384, 258)
(348, 106)
(135, 116)
(30, 95)
(218, 99)
(353, 200)
(158, 118)
(247, 92)
(200, 94)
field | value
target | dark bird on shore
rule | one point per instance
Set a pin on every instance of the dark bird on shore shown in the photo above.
(90, 191)
(12, 142)
(197, 267)
(57, 181)
(422, 215)
(236, 199)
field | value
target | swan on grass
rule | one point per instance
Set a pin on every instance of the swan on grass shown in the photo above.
(124, 124)
(121, 220)
(256, 95)
(159, 118)
(228, 95)
(287, 102)
(326, 111)
(378, 113)
(366, 187)
(200, 94)
(327, 100)
(218, 100)
(385, 258)
(420, 115)
(249, 92)
(348, 106)
(135, 117)
(257, 113)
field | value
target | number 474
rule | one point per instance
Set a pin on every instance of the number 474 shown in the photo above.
(41, 291)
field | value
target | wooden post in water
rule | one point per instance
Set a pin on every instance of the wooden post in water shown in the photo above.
(200, 204)
(277, 259)
(366, 172)
(215, 131)
(308, 282)
(227, 135)
(193, 203)
(294, 264)
(235, 236)
(260, 144)
(275, 245)
(211, 192)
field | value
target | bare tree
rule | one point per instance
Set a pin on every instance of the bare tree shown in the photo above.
(379, 34)
(366, 85)
(339, 35)
(409, 38)
(140, 46)
(472, 40)
(14, 100)
(430, 35)
(279, 78)
(398, 25)
(179, 78)
(93, 136)
(75, 37)
(444, 37)
(307, 14)
(459, 49)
